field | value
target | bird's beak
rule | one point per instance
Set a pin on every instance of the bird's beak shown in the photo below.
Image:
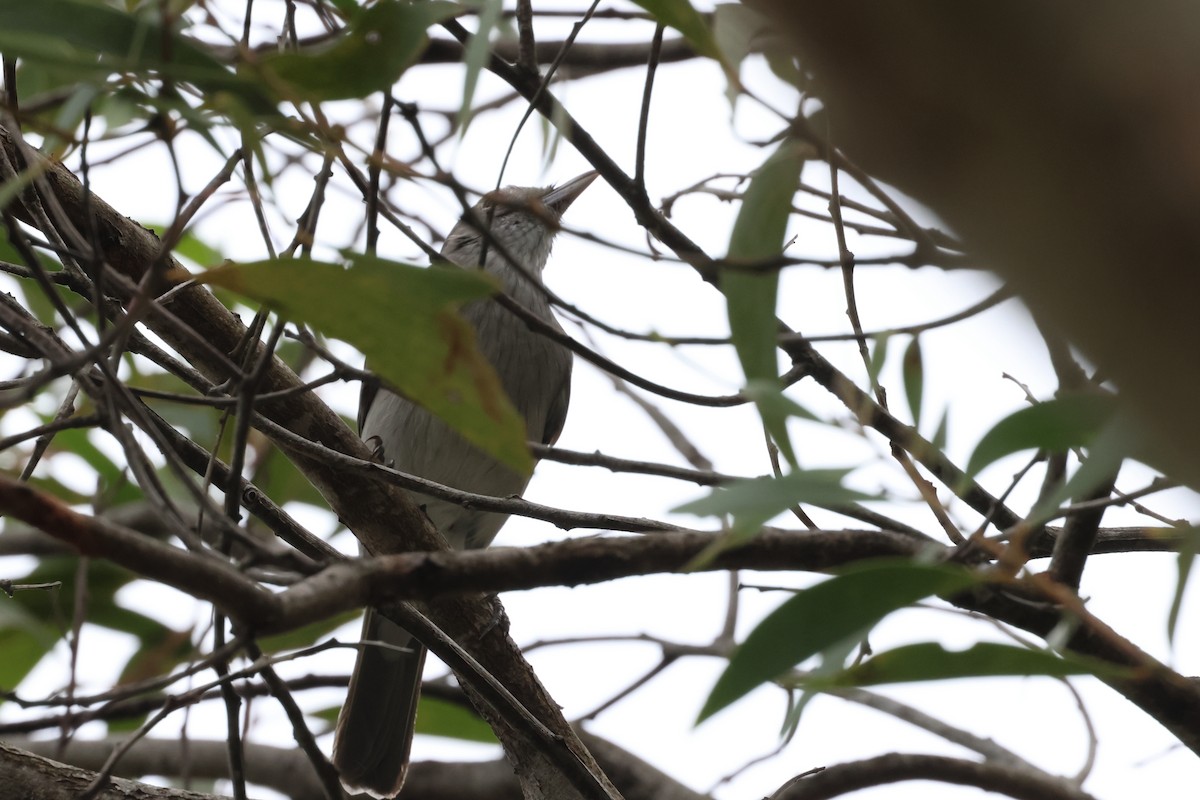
(560, 197)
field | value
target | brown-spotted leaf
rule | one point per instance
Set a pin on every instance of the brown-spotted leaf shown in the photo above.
(404, 320)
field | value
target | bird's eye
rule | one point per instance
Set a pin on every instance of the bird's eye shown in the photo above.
(489, 210)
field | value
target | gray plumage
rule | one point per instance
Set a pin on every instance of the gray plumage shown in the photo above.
(375, 729)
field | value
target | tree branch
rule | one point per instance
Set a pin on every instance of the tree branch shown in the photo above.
(286, 770)
(1164, 694)
(991, 776)
(24, 775)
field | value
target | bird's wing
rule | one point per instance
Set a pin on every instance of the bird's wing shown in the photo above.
(366, 396)
(556, 414)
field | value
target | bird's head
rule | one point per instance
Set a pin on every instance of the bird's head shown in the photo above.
(520, 220)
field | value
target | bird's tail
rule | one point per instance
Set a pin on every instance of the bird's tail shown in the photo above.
(375, 728)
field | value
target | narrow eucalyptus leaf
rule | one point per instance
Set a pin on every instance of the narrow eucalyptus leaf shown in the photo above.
(1184, 563)
(758, 234)
(914, 379)
(825, 615)
(683, 17)
(476, 55)
(930, 661)
(1058, 424)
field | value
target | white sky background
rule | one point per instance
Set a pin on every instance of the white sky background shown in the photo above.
(691, 137)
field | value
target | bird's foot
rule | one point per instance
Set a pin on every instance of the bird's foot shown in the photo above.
(377, 454)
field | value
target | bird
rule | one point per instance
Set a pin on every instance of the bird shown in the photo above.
(375, 726)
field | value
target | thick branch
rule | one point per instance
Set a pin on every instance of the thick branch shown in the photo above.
(1167, 696)
(422, 575)
(1074, 544)
(200, 575)
(288, 771)
(24, 775)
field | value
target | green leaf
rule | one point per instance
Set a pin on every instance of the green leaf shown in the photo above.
(22, 181)
(381, 41)
(1187, 557)
(879, 355)
(79, 442)
(306, 635)
(24, 639)
(758, 234)
(403, 319)
(781, 59)
(768, 394)
(33, 621)
(56, 488)
(1056, 425)
(114, 483)
(829, 613)
(329, 714)
(109, 614)
(32, 296)
(930, 661)
(1115, 441)
(159, 651)
(680, 15)
(830, 661)
(198, 422)
(914, 379)
(276, 476)
(193, 248)
(79, 102)
(736, 31)
(437, 717)
(440, 718)
(475, 56)
(942, 432)
(739, 31)
(753, 501)
(347, 7)
(96, 40)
